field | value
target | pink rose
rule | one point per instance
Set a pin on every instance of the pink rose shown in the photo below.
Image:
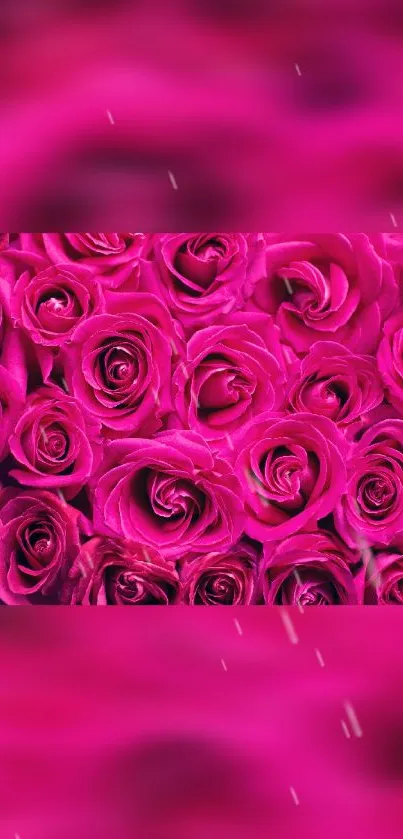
(112, 257)
(51, 303)
(334, 382)
(390, 359)
(372, 505)
(381, 578)
(292, 472)
(305, 571)
(328, 287)
(169, 492)
(12, 398)
(53, 444)
(231, 373)
(110, 571)
(202, 276)
(225, 578)
(39, 541)
(119, 364)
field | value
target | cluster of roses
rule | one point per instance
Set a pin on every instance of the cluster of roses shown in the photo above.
(201, 419)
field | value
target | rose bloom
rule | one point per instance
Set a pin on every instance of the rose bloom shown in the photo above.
(112, 257)
(53, 444)
(119, 364)
(327, 286)
(12, 398)
(371, 507)
(39, 541)
(390, 360)
(7, 283)
(225, 578)
(169, 492)
(296, 571)
(381, 579)
(292, 472)
(231, 373)
(390, 245)
(202, 276)
(327, 542)
(49, 304)
(113, 572)
(334, 382)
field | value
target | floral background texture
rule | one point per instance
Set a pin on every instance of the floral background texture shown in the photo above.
(201, 418)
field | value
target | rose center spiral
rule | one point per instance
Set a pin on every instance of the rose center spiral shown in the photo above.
(121, 366)
(376, 494)
(54, 442)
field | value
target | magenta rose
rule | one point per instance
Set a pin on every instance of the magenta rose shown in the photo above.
(203, 275)
(381, 579)
(51, 303)
(169, 492)
(12, 398)
(53, 444)
(390, 359)
(372, 504)
(39, 541)
(231, 373)
(225, 578)
(113, 572)
(303, 571)
(292, 472)
(119, 366)
(334, 382)
(327, 286)
(390, 245)
(112, 257)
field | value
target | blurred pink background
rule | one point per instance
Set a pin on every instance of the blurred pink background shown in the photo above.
(214, 723)
(268, 114)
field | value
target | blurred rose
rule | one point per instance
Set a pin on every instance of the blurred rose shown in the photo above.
(327, 286)
(292, 472)
(169, 492)
(301, 570)
(113, 572)
(39, 540)
(336, 383)
(231, 373)
(53, 444)
(222, 579)
(372, 505)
